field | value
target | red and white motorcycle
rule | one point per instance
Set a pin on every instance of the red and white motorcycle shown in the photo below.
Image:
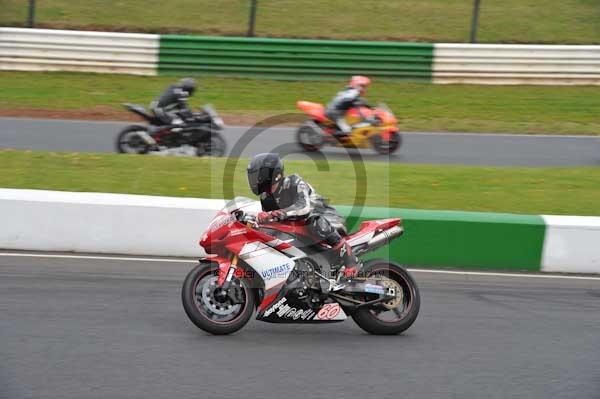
(281, 272)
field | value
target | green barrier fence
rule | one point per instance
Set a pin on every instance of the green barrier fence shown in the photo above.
(293, 59)
(461, 239)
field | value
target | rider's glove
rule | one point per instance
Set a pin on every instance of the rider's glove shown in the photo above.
(263, 217)
(277, 214)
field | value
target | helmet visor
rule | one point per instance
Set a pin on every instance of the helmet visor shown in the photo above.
(260, 180)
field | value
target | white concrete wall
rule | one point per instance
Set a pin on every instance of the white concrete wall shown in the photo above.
(572, 244)
(516, 64)
(78, 51)
(103, 223)
(169, 226)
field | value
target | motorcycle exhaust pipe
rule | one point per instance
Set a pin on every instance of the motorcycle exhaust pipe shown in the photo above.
(146, 137)
(384, 237)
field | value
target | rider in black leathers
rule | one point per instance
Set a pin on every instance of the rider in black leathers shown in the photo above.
(291, 197)
(351, 96)
(171, 107)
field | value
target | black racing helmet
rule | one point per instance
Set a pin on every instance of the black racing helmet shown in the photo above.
(264, 170)
(188, 84)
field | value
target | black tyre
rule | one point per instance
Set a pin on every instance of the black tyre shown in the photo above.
(216, 147)
(206, 310)
(397, 315)
(130, 142)
(308, 138)
(387, 147)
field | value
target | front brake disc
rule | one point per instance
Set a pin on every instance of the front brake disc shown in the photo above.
(214, 306)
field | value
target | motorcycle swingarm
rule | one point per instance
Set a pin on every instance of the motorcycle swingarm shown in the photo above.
(350, 304)
(368, 287)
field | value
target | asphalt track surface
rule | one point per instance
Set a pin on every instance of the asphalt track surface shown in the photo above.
(427, 148)
(115, 328)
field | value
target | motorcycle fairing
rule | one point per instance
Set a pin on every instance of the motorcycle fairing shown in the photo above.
(315, 110)
(362, 131)
(272, 266)
(139, 110)
(367, 230)
(273, 260)
(288, 309)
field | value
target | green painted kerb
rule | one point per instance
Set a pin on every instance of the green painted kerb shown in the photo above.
(293, 59)
(461, 239)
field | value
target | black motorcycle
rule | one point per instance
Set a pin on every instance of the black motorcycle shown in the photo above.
(198, 135)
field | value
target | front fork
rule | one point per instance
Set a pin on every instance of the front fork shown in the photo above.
(387, 133)
(226, 272)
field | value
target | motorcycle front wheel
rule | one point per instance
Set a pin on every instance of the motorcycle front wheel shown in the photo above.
(129, 140)
(212, 309)
(396, 315)
(387, 147)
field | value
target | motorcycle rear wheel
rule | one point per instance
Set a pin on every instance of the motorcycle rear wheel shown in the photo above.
(373, 320)
(208, 313)
(308, 138)
(128, 142)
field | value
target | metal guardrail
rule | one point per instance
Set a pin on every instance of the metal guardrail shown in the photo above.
(104, 52)
(79, 51)
(294, 59)
(516, 64)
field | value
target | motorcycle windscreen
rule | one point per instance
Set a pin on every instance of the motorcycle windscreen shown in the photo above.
(244, 203)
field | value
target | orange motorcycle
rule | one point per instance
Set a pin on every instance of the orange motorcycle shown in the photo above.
(377, 128)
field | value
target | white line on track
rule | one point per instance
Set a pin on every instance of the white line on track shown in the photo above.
(95, 257)
(51, 120)
(517, 135)
(520, 275)
(180, 260)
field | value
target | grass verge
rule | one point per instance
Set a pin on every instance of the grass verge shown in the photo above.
(515, 190)
(421, 107)
(521, 21)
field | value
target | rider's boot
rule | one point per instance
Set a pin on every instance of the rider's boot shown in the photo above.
(351, 264)
(343, 129)
(338, 134)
